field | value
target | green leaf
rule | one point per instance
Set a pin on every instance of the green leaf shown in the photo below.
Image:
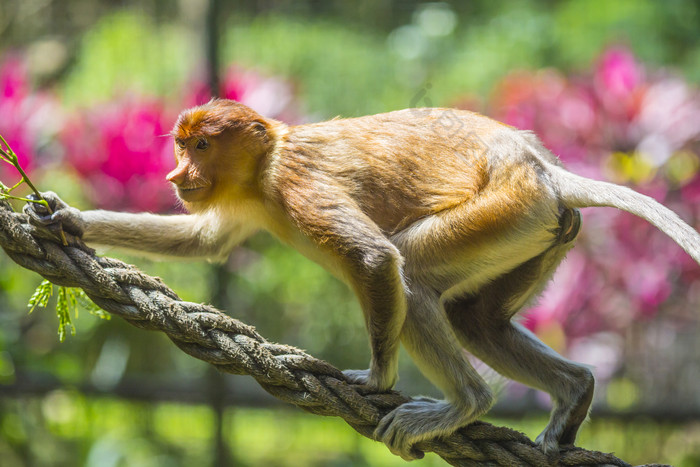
(90, 306)
(41, 295)
(69, 298)
(63, 313)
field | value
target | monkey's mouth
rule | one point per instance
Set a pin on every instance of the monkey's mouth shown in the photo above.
(193, 193)
(191, 189)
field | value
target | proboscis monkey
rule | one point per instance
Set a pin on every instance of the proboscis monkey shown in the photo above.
(445, 223)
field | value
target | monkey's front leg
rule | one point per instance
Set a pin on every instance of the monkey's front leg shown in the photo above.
(369, 263)
(378, 283)
(193, 236)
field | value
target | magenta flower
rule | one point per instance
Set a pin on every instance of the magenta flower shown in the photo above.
(122, 150)
(617, 76)
(27, 118)
(623, 268)
(667, 120)
(691, 192)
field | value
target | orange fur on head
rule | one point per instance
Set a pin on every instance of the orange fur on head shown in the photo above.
(213, 118)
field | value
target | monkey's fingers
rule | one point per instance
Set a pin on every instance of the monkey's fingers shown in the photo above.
(55, 223)
(34, 210)
(70, 220)
(61, 217)
(55, 203)
(39, 215)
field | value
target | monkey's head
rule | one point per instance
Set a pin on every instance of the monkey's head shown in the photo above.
(219, 149)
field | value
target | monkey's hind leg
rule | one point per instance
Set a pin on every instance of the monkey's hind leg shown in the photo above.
(482, 324)
(432, 344)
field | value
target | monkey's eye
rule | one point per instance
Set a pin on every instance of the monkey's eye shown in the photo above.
(180, 143)
(202, 144)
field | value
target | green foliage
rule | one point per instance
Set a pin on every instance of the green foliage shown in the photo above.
(84, 430)
(8, 156)
(68, 299)
(84, 302)
(351, 71)
(304, 304)
(341, 71)
(41, 295)
(63, 304)
(127, 52)
(583, 28)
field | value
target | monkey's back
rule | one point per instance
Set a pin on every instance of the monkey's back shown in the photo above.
(400, 166)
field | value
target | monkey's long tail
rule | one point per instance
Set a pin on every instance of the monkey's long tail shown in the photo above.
(581, 192)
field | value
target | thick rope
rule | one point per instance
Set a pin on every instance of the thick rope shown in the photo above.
(234, 347)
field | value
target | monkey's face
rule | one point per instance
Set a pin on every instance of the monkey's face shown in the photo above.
(192, 178)
(219, 150)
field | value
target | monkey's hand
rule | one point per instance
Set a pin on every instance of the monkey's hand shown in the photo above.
(61, 217)
(371, 380)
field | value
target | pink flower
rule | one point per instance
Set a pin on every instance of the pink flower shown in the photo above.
(691, 191)
(27, 118)
(618, 75)
(667, 120)
(122, 150)
(623, 268)
(13, 79)
(564, 114)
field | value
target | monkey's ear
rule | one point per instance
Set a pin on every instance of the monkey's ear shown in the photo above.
(258, 127)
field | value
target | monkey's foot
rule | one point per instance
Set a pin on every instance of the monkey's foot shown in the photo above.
(416, 421)
(357, 376)
(555, 436)
(547, 444)
(567, 416)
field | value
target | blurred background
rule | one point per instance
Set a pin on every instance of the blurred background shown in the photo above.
(89, 88)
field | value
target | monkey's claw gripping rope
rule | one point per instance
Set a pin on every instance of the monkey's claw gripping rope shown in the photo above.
(234, 347)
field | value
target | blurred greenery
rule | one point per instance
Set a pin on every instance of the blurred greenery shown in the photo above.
(353, 71)
(110, 62)
(343, 60)
(66, 425)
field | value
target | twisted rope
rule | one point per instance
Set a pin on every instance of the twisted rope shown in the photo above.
(234, 347)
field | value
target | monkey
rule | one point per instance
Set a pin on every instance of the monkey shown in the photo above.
(443, 231)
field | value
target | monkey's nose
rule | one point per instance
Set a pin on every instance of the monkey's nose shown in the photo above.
(178, 175)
